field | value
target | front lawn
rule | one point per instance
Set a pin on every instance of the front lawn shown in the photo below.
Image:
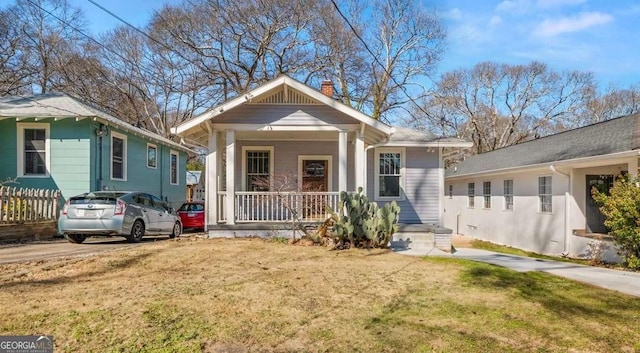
(258, 296)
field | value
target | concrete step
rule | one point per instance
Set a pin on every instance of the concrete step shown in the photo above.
(421, 241)
(413, 240)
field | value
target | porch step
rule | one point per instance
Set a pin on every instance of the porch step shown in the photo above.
(414, 241)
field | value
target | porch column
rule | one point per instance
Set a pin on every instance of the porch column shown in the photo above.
(211, 181)
(342, 161)
(360, 172)
(231, 180)
(633, 167)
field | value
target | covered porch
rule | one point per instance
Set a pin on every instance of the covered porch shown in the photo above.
(277, 175)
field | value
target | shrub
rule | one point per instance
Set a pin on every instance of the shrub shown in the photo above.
(361, 223)
(621, 208)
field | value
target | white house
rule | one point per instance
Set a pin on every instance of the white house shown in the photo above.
(285, 136)
(537, 195)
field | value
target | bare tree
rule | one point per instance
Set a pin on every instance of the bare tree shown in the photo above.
(241, 43)
(13, 71)
(379, 67)
(500, 105)
(611, 104)
(47, 35)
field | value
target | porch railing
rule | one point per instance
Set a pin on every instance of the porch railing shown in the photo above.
(20, 205)
(252, 206)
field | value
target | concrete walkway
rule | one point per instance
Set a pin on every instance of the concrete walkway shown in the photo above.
(622, 281)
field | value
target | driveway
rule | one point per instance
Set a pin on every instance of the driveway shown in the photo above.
(43, 250)
(621, 281)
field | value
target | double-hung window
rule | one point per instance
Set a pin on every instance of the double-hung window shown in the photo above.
(389, 182)
(33, 150)
(152, 156)
(471, 193)
(173, 167)
(118, 156)
(486, 194)
(258, 166)
(545, 195)
(508, 195)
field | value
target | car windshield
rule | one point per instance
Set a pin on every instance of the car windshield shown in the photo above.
(97, 197)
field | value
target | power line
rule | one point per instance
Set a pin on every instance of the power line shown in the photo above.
(148, 36)
(123, 58)
(375, 57)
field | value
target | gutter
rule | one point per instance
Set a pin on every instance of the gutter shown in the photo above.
(567, 208)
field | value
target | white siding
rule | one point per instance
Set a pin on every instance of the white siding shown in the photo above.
(524, 227)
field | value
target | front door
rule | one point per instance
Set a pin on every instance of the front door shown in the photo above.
(595, 218)
(314, 175)
(314, 179)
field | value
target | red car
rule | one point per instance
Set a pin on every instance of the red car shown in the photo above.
(192, 215)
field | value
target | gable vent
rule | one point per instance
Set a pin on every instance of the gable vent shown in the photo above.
(291, 97)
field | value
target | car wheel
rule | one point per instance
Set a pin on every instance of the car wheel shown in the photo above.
(177, 230)
(75, 238)
(137, 232)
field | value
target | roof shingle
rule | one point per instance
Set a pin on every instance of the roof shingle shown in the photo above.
(616, 135)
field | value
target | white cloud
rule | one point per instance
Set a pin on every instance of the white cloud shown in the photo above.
(513, 6)
(494, 21)
(453, 14)
(557, 3)
(553, 27)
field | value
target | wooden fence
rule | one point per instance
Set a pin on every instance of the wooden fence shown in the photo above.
(20, 205)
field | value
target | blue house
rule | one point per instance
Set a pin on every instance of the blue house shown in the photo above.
(55, 141)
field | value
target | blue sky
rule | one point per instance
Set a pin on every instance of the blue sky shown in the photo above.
(601, 36)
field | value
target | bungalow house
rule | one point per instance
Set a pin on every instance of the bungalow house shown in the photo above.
(537, 195)
(285, 136)
(55, 141)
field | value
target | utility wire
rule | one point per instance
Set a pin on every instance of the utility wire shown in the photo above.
(148, 36)
(375, 57)
(125, 59)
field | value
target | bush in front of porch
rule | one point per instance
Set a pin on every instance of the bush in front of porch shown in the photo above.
(361, 223)
(621, 207)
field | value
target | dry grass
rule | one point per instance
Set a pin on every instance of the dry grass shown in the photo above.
(257, 296)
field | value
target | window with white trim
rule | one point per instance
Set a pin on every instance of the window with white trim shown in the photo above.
(471, 193)
(508, 195)
(486, 194)
(174, 161)
(389, 182)
(545, 195)
(152, 156)
(118, 156)
(450, 191)
(33, 150)
(258, 170)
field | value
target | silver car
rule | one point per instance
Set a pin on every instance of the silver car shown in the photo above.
(128, 214)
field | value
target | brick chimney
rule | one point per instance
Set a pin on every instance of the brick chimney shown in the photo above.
(327, 88)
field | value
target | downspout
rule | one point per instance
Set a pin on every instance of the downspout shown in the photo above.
(161, 173)
(567, 209)
(99, 183)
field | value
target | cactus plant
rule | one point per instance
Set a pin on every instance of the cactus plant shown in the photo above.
(359, 222)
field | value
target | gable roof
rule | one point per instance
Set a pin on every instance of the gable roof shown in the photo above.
(296, 92)
(62, 106)
(604, 138)
(315, 96)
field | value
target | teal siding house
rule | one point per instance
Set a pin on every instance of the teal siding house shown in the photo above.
(55, 141)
